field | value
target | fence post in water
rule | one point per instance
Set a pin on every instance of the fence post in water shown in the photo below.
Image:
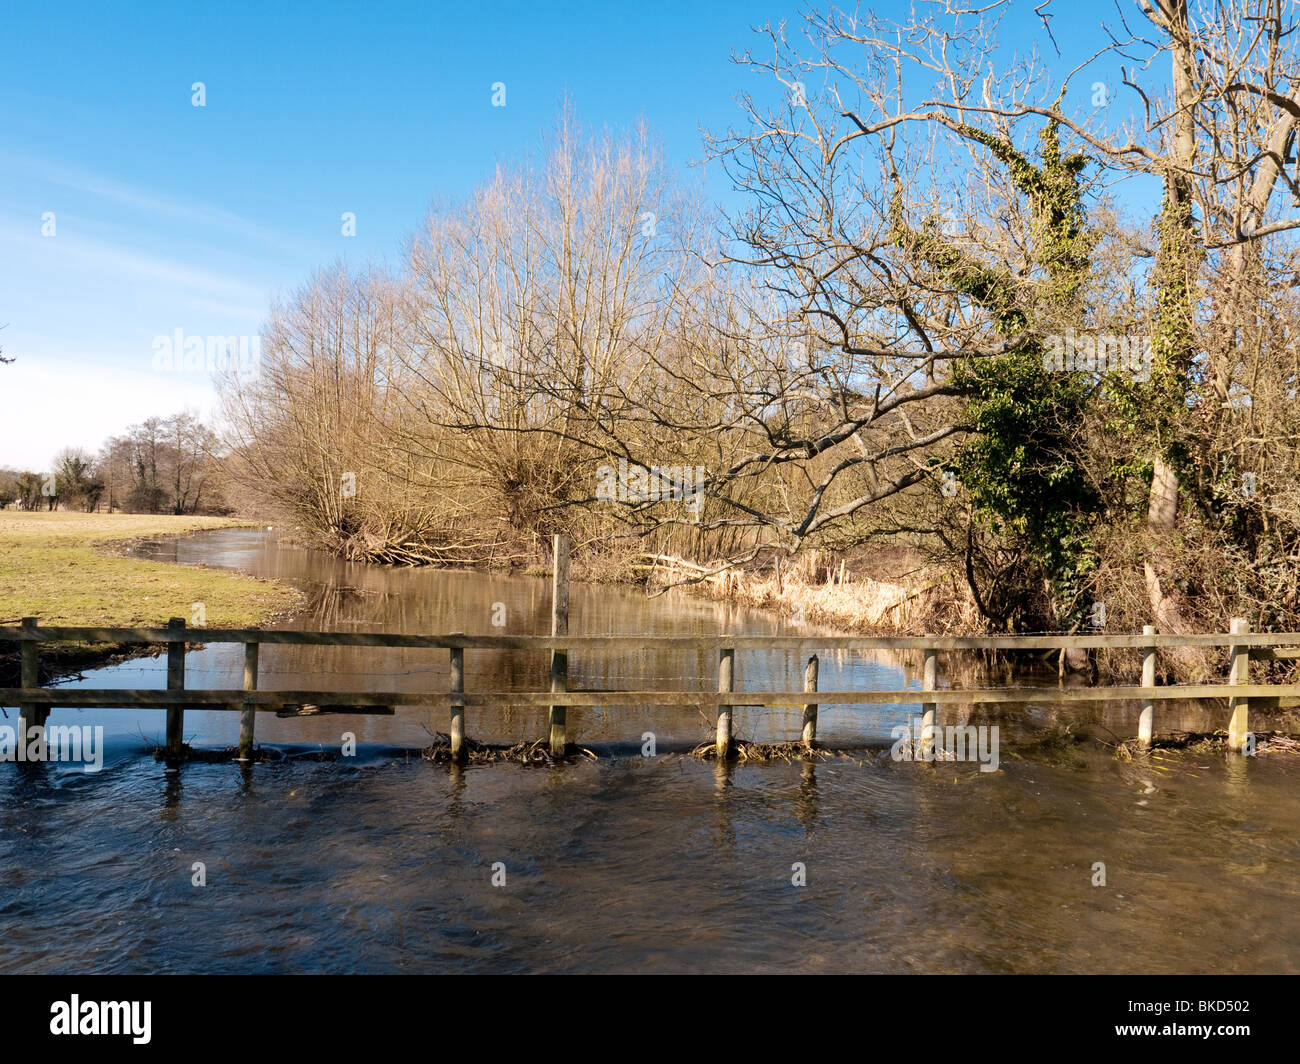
(248, 720)
(810, 710)
(929, 681)
(1146, 721)
(726, 683)
(457, 703)
(1239, 673)
(30, 714)
(175, 682)
(559, 626)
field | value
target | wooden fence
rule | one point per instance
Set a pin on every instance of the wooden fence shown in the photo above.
(35, 701)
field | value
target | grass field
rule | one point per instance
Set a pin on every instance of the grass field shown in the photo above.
(52, 568)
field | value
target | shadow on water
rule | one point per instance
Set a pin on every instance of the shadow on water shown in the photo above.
(384, 862)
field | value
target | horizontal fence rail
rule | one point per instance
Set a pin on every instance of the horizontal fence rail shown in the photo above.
(117, 698)
(60, 634)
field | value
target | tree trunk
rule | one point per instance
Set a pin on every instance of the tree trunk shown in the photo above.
(1175, 313)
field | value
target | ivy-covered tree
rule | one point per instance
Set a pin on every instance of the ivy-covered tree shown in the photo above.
(1021, 465)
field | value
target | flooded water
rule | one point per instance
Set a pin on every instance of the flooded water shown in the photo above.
(383, 862)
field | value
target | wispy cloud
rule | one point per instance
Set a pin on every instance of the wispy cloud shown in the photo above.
(76, 251)
(19, 163)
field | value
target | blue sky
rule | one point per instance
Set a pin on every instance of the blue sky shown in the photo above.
(169, 216)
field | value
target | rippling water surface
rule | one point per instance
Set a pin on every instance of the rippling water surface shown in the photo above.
(385, 863)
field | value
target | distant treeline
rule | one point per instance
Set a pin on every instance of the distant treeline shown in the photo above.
(163, 465)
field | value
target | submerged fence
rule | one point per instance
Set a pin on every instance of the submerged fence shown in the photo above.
(36, 701)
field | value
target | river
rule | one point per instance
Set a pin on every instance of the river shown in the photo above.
(384, 862)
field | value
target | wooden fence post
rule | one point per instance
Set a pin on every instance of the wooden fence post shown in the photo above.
(559, 626)
(248, 721)
(1239, 673)
(726, 683)
(30, 714)
(457, 703)
(929, 682)
(810, 710)
(175, 682)
(1146, 721)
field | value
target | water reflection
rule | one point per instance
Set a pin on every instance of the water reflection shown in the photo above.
(349, 596)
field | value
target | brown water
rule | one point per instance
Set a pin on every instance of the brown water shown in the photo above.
(384, 863)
